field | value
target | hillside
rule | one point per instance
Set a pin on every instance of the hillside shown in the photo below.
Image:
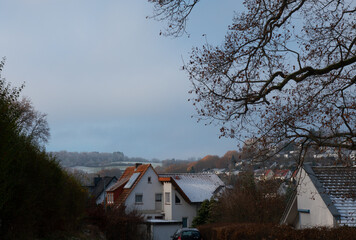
(93, 159)
(207, 162)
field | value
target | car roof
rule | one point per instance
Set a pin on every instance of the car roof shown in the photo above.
(190, 229)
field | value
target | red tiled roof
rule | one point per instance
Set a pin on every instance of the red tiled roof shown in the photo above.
(118, 184)
(295, 173)
(164, 179)
(281, 172)
(125, 177)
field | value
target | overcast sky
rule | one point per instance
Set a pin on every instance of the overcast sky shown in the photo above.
(106, 78)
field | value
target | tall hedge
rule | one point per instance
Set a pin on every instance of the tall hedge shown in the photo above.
(259, 231)
(37, 197)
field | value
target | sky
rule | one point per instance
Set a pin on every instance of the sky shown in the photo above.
(105, 77)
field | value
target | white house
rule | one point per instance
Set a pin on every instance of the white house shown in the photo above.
(184, 193)
(165, 196)
(325, 196)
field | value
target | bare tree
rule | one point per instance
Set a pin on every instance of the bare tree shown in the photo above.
(176, 12)
(31, 122)
(285, 73)
(28, 121)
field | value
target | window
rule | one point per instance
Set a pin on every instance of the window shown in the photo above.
(110, 198)
(149, 180)
(177, 199)
(138, 198)
(132, 180)
(158, 197)
(167, 197)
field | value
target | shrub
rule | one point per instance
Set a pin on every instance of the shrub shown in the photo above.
(255, 231)
(204, 215)
(115, 222)
(249, 201)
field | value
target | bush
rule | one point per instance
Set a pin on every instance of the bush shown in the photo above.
(115, 222)
(255, 231)
(204, 215)
(249, 201)
(40, 198)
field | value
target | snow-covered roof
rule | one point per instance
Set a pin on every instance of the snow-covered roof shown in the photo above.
(337, 186)
(196, 186)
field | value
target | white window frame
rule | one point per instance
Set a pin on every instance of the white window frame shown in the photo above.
(160, 200)
(138, 195)
(110, 198)
(167, 198)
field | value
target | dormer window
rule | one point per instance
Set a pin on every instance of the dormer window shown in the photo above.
(149, 180)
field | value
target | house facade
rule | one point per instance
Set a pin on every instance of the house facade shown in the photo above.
(268, 175)
(99, 187)
(325, 197)
(165, 196)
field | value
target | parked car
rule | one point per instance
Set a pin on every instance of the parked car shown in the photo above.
(187, 234)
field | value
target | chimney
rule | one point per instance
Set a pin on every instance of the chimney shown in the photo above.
(96, 180)
(137, 164)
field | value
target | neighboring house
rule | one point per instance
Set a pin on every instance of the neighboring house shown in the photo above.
(282, 174)
(268, 175)
(353, 157)
(325, 196)
(99, 186)
(184, 193)
(293, 178)
(164, 196)
(259, 174)
(218, 170)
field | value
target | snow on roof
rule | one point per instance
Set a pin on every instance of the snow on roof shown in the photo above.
(339, 183)
(163, 221)
(196, 186)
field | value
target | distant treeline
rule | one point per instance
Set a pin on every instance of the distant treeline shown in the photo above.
(207, 162)
(93, 159)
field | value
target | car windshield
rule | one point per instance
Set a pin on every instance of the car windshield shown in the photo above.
(190, 233)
